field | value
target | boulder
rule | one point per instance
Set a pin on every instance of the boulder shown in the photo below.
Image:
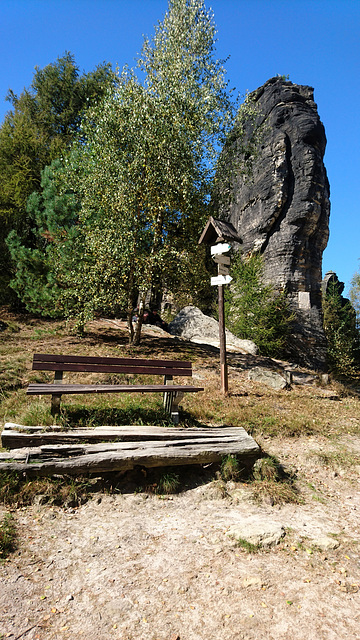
(192, 324)
(268, 377)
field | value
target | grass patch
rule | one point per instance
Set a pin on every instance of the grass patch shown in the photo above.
(230, 468)
(37, 413)
(12, 373)
(17, 491)
(337, 459)
(262, 412)
(247, 546)
(168, 483)
(129, 411)
(271, 483)
(8, 536)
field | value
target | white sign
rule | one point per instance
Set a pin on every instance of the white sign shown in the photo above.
(220, 259)
(217, 249)
(218, 280)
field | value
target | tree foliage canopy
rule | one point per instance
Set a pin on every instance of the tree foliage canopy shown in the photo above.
(355, 294)
(40, 126)
(139, 174)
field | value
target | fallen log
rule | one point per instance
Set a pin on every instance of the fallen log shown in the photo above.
(123, 456)
(15, 436)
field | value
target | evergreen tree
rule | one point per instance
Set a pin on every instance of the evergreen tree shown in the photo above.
(40, 126)
(254, 310)
(38, 279)
(341, 331)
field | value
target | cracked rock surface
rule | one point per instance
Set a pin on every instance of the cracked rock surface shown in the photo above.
(283, 209)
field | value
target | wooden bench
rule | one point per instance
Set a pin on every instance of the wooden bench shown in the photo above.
(173, 393)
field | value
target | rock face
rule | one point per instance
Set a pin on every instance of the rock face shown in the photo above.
(282, 211)
(192, 324)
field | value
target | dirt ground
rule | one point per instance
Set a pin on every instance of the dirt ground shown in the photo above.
(139, 567)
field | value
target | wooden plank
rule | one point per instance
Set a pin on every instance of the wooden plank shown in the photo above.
(147, 454)
(42, 357)
(40, 389)
(13, 436)
(67, 450)
(107, 368)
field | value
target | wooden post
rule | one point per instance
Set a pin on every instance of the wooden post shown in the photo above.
(222, 336)
(219, 233)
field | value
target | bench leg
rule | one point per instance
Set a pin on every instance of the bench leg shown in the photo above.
(55, 405)
(56, 399)
(171, 404)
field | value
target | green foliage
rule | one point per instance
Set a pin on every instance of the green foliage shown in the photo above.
(230, 468)
(272, 483)
(38, 279)
(168, 483)
(122, 214)
(143, 177)
(8, 535)
(254, 310)
(342, 333)
(41, 125)
(247, 546)
(355, 294)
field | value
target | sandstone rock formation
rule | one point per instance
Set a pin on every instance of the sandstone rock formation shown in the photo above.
(283, 210)
(192, 324)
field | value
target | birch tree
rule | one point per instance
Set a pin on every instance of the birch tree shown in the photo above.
(148, 165)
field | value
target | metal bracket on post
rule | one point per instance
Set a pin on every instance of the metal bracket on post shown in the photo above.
(56, 397)
(172, 399)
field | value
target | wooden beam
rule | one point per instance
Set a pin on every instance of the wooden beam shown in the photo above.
(148, 454)
(15, 436)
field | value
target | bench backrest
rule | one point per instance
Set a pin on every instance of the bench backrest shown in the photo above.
(46, 362)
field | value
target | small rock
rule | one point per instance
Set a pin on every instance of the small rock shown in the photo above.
(252, 581)
(264, 534)
(325, 543)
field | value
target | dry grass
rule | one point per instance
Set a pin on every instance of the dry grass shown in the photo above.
(302, 411)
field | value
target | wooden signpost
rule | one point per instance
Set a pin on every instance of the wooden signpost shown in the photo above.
(218, 233)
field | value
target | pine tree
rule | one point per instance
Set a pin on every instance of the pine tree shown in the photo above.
(254, 310)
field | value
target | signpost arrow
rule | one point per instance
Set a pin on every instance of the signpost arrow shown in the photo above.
(218, 249)
(221, 259)
(219, 280)
(223, 270)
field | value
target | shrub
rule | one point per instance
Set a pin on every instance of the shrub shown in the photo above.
(342, 333)
(254, 310)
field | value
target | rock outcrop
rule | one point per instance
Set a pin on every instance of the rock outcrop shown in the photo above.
(282, 210)
(192, 324)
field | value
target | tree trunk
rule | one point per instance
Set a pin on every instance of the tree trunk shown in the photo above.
(137, 334)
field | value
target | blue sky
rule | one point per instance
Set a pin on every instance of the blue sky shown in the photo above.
(315, 42)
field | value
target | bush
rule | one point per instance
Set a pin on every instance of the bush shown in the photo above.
(254, 310)
(342, 333)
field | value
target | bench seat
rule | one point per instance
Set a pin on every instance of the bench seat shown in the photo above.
(40, 389)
